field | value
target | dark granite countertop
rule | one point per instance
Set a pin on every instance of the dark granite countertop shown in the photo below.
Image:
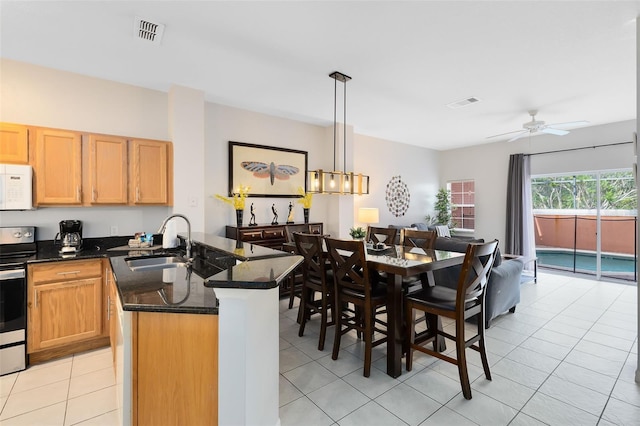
(92, 248)
(178, 289)
(238, 249)
(219, 263)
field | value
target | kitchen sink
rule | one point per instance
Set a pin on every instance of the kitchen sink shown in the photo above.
(145, 263)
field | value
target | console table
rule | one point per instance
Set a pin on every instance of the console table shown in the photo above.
(267, 235)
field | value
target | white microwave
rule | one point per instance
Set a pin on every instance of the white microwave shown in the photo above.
(15, 187)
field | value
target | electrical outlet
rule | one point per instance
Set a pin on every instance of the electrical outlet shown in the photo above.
(114, 230)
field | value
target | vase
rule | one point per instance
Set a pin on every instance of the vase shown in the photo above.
(239, 214)
(306, 215)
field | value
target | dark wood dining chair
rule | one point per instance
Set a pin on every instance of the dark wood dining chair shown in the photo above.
(381, 235)
(460, 304)
(415, 238)
(295, 279)
(354, 286)
(317, 279)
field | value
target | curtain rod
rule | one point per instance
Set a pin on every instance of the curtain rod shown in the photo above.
(576, 149)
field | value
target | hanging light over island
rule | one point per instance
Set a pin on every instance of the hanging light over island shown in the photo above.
(335, 181)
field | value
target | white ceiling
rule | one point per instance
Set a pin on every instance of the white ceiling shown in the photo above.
(571, 60)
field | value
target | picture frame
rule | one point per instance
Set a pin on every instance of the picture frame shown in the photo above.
(268, 171)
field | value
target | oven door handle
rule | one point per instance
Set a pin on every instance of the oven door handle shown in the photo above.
(12, 274)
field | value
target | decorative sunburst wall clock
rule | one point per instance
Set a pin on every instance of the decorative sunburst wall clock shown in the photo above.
(397, 196)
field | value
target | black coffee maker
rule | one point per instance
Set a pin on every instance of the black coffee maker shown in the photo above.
(70, 236)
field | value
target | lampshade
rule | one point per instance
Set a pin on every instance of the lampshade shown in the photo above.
(335, 181)
(368, 215)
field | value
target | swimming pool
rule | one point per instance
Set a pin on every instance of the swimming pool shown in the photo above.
(586, 262)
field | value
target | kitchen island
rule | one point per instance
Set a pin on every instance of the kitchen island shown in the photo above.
(198, 344)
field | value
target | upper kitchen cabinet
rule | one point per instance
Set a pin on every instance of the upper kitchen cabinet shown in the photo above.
(150, 172)
(58, 167)
(14, 144)
(107, 170)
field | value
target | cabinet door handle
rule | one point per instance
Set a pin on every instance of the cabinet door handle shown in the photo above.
(137, 194)
(68, 273)
(78, 194)
(35, 298)
(94, 194)
(108, 308)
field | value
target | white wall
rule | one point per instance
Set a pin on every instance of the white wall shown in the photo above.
(224, 124)
(382, 160)
(41, 96)
(488, 165)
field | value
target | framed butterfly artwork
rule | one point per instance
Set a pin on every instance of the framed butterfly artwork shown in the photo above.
(268, 171)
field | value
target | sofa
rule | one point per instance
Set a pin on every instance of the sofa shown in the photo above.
(503, 288)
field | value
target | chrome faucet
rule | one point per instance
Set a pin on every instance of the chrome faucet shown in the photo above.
(164, 225)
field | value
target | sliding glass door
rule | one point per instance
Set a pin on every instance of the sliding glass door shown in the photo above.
(586, 222)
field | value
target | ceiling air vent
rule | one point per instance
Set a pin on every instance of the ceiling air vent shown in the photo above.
(463, 102)
(147, 30)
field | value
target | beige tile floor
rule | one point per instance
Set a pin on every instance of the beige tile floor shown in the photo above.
(76, 390)
(566, 357)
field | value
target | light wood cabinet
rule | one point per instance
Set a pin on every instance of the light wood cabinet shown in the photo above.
(58, 167)
(175, 351)
(65, 303)
(72, 168)
(107, 170)
(150, 166)
(14, 144)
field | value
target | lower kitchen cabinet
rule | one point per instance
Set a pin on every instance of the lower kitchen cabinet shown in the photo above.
(166, 368)
(65, 308)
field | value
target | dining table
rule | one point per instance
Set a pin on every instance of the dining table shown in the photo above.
(397, 262)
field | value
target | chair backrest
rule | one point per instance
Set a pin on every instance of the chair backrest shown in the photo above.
(381, 235)
(289, 230)
(305, 228)
(414, 238)
(349, 265)
(476, 268)
(314, 266)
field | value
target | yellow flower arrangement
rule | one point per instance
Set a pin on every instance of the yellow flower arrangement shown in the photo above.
(237, 199)
(305, 200)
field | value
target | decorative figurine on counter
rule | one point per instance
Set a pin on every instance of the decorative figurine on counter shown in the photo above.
(275, 214)
(290, 216)
(252, 222)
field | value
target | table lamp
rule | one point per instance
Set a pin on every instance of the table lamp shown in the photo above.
(368, 215)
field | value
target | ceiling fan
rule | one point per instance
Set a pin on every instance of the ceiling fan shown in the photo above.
(535, 126)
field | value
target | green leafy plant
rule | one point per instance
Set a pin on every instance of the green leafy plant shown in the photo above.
(357, 233)
(442, 208)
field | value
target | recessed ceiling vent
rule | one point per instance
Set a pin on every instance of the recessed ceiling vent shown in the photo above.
(148, 31)
(463, 102)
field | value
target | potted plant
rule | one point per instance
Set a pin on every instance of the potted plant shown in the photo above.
(236, 201)
(305, 199)
(443, 209)
(358, 233)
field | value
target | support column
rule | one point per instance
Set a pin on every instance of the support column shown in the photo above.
(186, 128)
(248, 351)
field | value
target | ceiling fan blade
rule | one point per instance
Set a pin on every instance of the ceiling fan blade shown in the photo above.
(508, 133)
(518, 136)
(569, 124)
(552, 131)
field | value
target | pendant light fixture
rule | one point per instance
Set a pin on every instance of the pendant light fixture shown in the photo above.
(335, 181)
